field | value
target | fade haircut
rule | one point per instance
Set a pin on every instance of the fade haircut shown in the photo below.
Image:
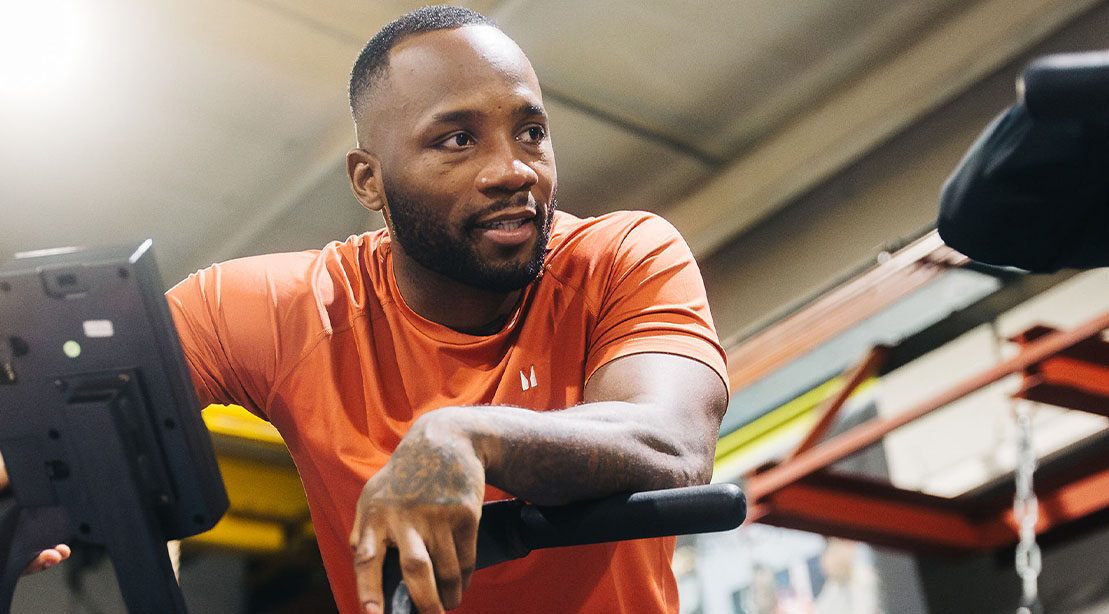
(373, 62)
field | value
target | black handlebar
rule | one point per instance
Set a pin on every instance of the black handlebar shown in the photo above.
(511, 529)
(1068, 86)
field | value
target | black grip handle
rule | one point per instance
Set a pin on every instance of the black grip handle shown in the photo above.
(1068, 86)
(511, 529)
(676, 511)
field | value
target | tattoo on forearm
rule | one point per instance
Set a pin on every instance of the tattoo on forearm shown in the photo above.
(431, 475)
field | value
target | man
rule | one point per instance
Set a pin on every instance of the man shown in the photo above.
(482, 346)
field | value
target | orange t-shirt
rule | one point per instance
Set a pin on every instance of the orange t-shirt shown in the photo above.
(322, 344)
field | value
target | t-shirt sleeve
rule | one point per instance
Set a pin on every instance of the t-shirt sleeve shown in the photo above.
(654, 300)
(226, 320)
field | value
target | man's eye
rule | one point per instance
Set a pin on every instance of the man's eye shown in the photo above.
(533, 134)
(459, 140)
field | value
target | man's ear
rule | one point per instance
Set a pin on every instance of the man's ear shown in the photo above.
(364, 170)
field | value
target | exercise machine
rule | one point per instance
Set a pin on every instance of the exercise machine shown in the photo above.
(99, 423)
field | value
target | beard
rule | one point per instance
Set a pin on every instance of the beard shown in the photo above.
(453, 253)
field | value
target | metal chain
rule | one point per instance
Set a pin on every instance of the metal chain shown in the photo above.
(1026, 511)
(1026, 507)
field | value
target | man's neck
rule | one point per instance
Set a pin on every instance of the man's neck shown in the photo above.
(455, 305)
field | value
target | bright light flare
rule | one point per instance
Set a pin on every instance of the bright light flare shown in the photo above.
(41, 42)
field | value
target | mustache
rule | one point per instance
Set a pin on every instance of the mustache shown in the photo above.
(524, 200)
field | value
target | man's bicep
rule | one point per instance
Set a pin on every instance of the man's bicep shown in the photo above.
(686, 395)
(673, 405)
(225, 365)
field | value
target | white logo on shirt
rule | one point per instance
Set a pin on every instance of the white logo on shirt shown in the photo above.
(525, 383)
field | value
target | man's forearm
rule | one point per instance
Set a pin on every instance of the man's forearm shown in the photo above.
(584, 452)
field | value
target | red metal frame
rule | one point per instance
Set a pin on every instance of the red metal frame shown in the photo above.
(867, 367)
(1076, 377)
(905, 271)
(1068, 368)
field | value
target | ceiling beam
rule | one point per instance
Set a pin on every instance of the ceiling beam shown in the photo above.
(826, 139)
(633, 126)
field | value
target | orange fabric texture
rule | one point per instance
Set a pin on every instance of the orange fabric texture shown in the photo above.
(321, 344)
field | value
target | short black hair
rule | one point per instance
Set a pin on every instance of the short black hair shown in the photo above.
(374, 59)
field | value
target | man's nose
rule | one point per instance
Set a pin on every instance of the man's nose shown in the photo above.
(506, 171)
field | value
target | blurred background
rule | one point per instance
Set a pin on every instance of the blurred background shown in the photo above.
(798, 146)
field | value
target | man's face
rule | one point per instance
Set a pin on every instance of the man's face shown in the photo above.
(466, 158)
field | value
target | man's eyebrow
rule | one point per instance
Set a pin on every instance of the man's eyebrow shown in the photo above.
(470, 115)
(528, 110)
(455, 116)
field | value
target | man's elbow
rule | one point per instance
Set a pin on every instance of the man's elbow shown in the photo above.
(692, 467)
(698, 457)
(701, 469)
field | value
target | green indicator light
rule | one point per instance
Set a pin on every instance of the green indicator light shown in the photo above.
(71, 349)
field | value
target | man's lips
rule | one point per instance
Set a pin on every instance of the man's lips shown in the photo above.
(507, 225)
(507, 220)
(508, 229)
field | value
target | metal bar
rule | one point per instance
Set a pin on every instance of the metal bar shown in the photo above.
(879, 517)
(1069, 502)
(838, 310)
(1063, 370)
(1076, 378)
(1039, 390)
(845, 444)
(862, 371)
(1074, 485)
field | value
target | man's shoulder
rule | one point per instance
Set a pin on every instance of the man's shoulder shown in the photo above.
(589, 253)
(608, 233)
(317, 280)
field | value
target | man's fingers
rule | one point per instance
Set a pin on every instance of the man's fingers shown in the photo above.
(48, 558)
(3, 476)
(369, 552)
(465, 543)
(64, 550)
(418, 572)
(448, 573)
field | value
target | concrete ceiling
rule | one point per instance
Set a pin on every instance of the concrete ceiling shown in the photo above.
(218, 127)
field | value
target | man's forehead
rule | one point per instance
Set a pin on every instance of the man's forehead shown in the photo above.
(481, 38)
(447, 56)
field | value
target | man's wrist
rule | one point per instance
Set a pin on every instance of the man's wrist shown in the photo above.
(456, 424)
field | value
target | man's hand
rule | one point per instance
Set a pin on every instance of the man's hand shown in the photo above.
(426, 503)
(47, 558)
